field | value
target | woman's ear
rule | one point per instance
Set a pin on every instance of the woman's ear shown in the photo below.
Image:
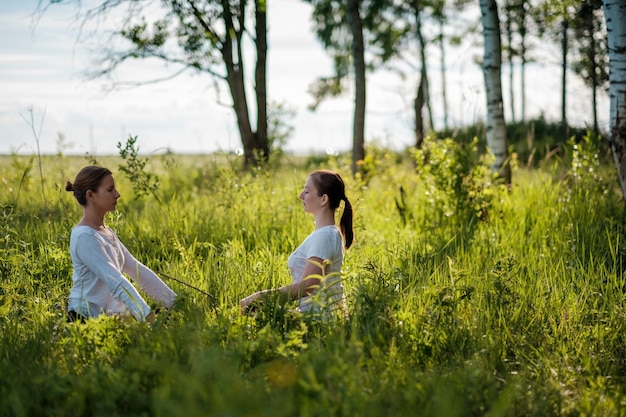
(324, 201)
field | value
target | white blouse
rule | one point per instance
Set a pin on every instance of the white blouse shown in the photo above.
(99, 284)
(325, 243)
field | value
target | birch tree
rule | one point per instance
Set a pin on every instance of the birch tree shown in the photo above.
(492, 70)
(615, 15)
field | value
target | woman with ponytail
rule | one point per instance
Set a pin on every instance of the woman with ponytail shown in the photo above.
(315, 266)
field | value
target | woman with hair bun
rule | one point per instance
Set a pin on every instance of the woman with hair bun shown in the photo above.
(315, 266)
(101, 262)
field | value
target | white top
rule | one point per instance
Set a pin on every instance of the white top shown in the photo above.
(325, 243)
(100, 286)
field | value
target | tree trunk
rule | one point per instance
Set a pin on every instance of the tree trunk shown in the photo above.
(235, 79)
(424, 72)
(522, 31)
(255, 143)
(594, 72)
(420, 96)
(358, 56)
(444, 92)
(418, 105)
(260, 78)
(615, 15)
(564, 48)
(492, 70)
(510, 55)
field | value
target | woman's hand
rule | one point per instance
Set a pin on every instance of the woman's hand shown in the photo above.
(150, 317)
(250, 303)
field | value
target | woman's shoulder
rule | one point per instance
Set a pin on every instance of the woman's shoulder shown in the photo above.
(326, 233)
(84, 231)
(81, 229)
(330, 230)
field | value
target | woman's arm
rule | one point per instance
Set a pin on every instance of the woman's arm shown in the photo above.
(311, 279)
(148, 281)
(93, 254)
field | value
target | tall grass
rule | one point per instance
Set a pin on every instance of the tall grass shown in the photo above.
(466, 298)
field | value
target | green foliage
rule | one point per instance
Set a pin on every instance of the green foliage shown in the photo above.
(457, 183)
(20, 176)
(591, 62)
(378, 161)
(465, 298)
(536, 142)
(585, 166)
(142, 39)
(143, 182)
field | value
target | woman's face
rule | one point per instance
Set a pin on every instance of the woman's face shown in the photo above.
(105, 198)
(310, 199)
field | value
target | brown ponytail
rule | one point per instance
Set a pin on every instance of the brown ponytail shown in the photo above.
(331, 184)
(346, 222)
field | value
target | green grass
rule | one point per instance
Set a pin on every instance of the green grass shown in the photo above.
(465, 298)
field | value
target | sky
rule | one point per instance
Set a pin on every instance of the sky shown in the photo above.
(45, 96)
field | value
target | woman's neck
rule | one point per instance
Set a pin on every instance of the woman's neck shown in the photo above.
(91, 219)
(324, 219)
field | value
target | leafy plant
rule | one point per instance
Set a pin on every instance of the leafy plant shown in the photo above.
(457, 181)
(143, 182)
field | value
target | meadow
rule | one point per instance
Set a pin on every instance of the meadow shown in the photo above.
(466, 297)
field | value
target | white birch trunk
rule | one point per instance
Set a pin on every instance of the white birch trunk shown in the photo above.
(615, 15)
(492, 70)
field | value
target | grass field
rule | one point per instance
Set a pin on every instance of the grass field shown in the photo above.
(466, 298)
